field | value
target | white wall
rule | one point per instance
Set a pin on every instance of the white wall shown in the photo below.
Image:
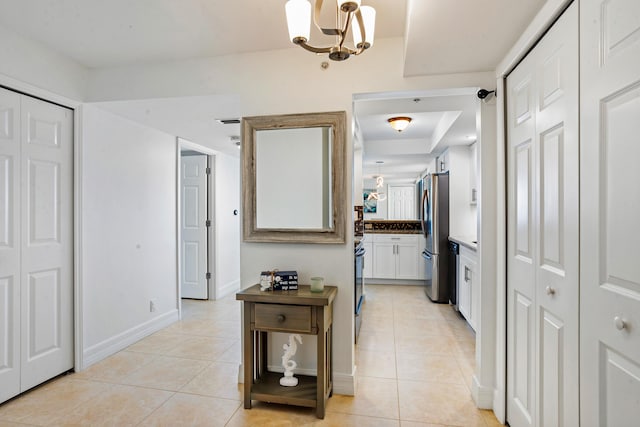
(227, 225)
(128, 231)
(24, 61)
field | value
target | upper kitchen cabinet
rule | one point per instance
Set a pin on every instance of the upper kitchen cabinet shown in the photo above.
(459, 162)
(473, 173)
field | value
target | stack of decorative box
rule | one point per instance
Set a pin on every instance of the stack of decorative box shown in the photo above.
(280, 280)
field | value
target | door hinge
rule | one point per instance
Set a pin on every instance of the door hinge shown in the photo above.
(207, 223)
(208, 276)
(208, 171)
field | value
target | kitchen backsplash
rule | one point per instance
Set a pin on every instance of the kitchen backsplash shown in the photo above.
(392, 226)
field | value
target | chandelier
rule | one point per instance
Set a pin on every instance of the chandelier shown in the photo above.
(299, 23)
(379, 194)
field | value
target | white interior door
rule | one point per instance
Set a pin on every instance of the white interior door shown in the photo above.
(610, 206)
(402, 202)
(47, 241)
(543, 235)
(36, 242)
(9, 244)
(193, 277)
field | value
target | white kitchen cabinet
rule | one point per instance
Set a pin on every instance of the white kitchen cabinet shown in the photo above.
(398, 256)
(442, 163)
(468, 285)
(473, 173)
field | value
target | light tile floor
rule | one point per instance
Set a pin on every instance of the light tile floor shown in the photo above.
(415, 360)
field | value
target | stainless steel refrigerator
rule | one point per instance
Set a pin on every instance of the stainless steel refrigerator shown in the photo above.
(434, 217)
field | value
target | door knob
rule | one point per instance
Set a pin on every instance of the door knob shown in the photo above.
(549, 290)
(620, 323)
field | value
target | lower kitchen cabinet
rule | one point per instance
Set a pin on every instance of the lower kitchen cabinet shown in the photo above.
(468, 285)
(397, 256)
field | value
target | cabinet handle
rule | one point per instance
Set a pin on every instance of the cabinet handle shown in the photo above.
(281, 318)
(620, 323)
(467, 274)
(549, 290)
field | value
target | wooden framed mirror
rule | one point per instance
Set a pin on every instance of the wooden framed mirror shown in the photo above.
(293, 178)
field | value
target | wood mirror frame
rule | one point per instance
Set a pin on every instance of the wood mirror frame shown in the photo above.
(335, 233)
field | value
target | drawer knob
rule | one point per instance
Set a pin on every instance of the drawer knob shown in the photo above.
(281, 318)
(620, 323)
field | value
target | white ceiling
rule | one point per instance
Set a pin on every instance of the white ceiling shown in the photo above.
(440, 36)
(439, 119)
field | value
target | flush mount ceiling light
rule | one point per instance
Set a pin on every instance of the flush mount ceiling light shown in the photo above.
(299, 23)
(399, 123)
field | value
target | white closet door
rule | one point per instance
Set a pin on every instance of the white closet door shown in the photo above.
(47, 241)
(521, 397)
(193, 280)
(543, 236)
(610, 206)
(9, 244)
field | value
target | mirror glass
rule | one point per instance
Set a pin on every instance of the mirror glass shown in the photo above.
(293, 163)
(293, 178)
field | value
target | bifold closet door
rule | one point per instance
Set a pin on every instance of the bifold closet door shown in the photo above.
(9, 244)
(610, 206)
(36, 283)
(543, 233)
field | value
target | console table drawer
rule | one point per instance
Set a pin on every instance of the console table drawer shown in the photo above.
(289, 318)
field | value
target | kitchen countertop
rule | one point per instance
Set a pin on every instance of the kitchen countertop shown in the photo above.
(467, 241)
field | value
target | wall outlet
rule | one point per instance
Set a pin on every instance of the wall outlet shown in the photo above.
(153, 304)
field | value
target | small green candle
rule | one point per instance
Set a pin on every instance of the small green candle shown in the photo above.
(317, 284)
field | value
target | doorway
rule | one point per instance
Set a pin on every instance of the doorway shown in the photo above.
(195, 222)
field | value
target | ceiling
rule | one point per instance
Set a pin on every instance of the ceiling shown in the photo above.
(439, 119)
(440, 37)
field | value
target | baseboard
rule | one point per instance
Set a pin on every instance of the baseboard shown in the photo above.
(499, 408)
(121, 341)
(345, 383)
(227, 289)
(342, 383)
(373, 282)
(483, 396)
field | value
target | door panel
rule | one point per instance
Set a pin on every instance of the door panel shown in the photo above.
(521, 246)
(522, 375)
(610, 275)
(552, 370)
(9, 244)
(47, 242)
(407, 264)
(543, 265)
(193, 280)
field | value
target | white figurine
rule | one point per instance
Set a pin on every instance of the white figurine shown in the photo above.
(288, 380)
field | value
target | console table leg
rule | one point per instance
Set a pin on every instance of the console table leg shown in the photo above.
(248, 356)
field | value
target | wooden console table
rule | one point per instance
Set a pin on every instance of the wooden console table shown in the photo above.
(298, 312)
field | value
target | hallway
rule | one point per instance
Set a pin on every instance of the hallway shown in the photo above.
(414, 364)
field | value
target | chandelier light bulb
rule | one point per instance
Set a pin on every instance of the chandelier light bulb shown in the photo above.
(298, 20)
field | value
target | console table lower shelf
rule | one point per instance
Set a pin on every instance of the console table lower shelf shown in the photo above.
(301, 312)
